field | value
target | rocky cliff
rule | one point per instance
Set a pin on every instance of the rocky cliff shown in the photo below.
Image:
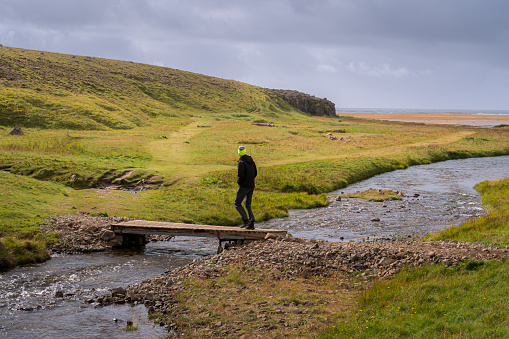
(307, 103)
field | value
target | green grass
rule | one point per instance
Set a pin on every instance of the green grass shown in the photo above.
(25, 199)
(469, 301)
(492, 229)
(375, 195)
(26, 202)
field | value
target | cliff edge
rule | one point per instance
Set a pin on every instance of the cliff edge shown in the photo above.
(307, 103)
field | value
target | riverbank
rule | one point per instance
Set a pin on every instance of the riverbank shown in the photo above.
(451, 119)
(85, 234)
(241, 292)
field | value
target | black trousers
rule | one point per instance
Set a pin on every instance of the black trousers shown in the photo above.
(246, 195)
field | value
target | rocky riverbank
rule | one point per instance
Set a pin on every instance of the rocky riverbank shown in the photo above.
(83, 234)
(292, 258)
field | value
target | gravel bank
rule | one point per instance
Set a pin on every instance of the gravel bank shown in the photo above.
(84, 234)
(291, 257)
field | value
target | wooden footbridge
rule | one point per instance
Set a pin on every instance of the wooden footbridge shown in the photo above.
(133, 232)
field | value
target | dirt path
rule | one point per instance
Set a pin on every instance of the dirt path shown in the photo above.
(173, 150)
(174, 155)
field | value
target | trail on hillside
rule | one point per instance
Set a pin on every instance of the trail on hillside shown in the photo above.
(242, 88)
(171, 155)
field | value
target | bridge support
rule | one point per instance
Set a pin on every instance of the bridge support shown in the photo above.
(132, 240)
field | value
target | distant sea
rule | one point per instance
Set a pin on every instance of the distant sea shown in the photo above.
(424, 111)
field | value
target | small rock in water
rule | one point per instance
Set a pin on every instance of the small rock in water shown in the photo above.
(59, 294)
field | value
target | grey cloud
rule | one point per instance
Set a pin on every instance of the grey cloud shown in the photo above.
(387, 53)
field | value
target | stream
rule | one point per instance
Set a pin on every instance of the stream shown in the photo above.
(437, 196)
(49, 300)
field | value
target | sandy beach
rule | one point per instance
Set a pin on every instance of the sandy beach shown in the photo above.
(454, 119)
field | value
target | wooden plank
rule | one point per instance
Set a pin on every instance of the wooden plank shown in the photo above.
(180, 229)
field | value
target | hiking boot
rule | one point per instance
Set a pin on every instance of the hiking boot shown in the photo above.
(246, 224)
(250, 226)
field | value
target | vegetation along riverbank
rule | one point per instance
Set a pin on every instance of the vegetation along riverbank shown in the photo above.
(110, 138)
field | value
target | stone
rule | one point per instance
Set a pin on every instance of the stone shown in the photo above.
(118, 291)
(297, 311)
(107, 235)
(307, 103)
(17, 131)
(270, 236)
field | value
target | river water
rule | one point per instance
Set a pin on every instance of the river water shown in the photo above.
(49, 300)
(445, 198)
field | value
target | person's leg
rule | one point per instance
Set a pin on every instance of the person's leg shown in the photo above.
(249, 198)
(241, 194)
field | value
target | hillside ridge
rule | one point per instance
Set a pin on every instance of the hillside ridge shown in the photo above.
(52, 90)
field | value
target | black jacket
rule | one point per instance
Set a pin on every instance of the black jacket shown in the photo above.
(247, 172)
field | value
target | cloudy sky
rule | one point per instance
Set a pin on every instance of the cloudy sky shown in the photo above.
(358, 53)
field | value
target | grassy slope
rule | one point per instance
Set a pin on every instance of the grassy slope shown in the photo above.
(50, 90)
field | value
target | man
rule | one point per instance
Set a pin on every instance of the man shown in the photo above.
(246, 168)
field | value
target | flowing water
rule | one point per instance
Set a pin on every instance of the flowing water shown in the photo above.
(29, 307)
(49, 300)
(445, 198)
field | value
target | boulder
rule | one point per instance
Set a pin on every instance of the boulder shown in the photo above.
(17, 131)
(107, 235)
(118, 291)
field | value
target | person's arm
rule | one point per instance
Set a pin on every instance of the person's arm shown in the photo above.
(240, 170)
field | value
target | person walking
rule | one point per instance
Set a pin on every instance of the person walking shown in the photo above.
(247, 172)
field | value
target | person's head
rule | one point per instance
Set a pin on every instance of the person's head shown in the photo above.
(242, 150)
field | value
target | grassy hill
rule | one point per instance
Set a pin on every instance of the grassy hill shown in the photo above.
(50, 90)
